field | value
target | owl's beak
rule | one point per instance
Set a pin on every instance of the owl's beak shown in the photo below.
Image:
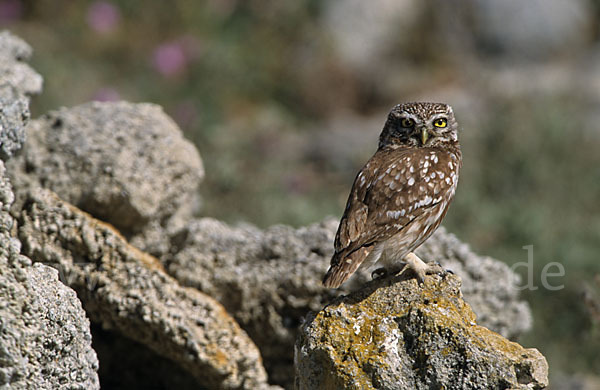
(424, 135)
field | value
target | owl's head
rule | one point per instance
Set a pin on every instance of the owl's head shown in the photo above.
(420, 125)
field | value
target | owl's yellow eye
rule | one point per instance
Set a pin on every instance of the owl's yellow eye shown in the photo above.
(441, 122)
(407, 122)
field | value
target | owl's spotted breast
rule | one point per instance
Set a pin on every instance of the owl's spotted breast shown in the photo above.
(398, 198)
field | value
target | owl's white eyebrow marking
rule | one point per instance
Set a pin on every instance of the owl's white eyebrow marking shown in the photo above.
(411, 181)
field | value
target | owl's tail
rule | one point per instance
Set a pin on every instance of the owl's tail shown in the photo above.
(343, 266)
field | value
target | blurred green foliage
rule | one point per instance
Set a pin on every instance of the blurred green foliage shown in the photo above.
(255, 84)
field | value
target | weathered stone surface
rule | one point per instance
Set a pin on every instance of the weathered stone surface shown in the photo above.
(45, 341)
(488, 285)
(127, 164)
(127, 290)
(395, 334)
(17, 82)
(268, 280)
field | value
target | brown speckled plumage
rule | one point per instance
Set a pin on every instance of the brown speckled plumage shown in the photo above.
(401, 195)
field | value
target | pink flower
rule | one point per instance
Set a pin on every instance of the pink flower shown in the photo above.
(170, 59)
(10, 10)
(103, 17)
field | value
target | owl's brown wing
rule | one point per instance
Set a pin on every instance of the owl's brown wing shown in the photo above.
(387, 194)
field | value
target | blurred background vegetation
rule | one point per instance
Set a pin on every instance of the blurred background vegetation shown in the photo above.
(285, 101)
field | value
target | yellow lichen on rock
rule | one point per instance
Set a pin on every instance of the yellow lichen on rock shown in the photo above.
(395, 334)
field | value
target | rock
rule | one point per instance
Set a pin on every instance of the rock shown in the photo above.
(45, 340)
(17, 82)
(128, 365)
(488, 285)
(127, 164)
(268, 280)
(127, 290)
(395, 334)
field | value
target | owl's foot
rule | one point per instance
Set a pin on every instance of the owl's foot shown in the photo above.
(421, 268)
(379, 273)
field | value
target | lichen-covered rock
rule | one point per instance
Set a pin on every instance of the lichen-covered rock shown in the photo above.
(127, 164)
(395, 334)
(268, 280)
(127, 291)
(488, 285)
(17, 82)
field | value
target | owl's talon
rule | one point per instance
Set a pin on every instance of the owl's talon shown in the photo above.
(379, 273)
(420, 268)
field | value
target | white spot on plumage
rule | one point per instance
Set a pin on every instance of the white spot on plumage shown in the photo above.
(441, 174)
(450, 165)
(395, 213)
(447, 180)
(362, 178)
(426, 164)
(411, 169)
(427, 179)
(434, 158)
(411, 181)
(432, 175)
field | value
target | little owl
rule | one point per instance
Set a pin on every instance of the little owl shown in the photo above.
(401, 195)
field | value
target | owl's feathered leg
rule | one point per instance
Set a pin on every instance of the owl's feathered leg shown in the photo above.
(421, 268)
